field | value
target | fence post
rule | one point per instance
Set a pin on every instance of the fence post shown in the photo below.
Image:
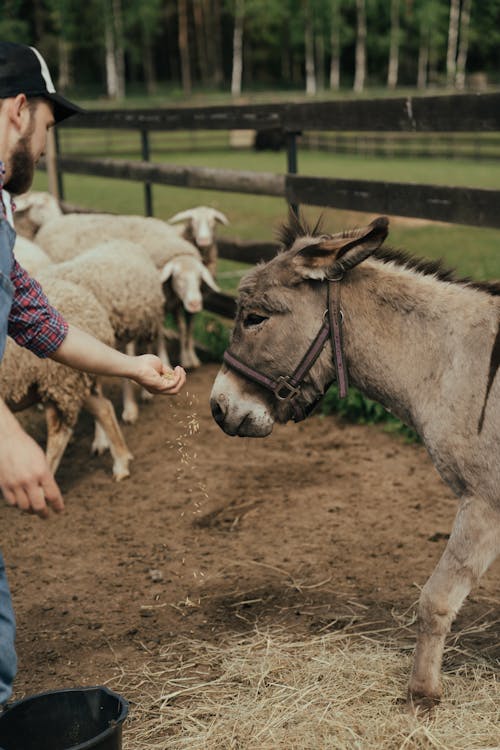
(59, 174)
(51, 161)
(291, 149)
(148, 190)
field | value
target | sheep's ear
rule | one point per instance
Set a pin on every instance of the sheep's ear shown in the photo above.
(209, 279)
(167, 271)
(181, 216)
(22, 202)
(220, 217)
(334, 255)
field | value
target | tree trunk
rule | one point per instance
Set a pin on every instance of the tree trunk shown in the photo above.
(119, 48)
(217, 42)
(360, 72)
(172, 42)
(320, 60)
(201, 50)
(335, 45)
(148, 62)
(463, 45)
(392, 73)
(423, 63)
(110, 58)
(38, 17)
(237, 73)
(184, 47)
(309, 45)
(451, 55)
(65, 78)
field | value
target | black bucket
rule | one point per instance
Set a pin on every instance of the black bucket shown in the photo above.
(75, 719)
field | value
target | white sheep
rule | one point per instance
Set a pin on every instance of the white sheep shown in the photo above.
(33, 210)
(178, 261)
(25, 379)
(127, 284)
(198, 225)
(30, 255)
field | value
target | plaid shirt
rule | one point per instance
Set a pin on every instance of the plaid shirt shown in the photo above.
(33, 322)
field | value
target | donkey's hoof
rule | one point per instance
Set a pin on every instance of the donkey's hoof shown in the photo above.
(423, 703)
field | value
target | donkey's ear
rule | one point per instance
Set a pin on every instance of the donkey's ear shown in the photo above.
(335, 254)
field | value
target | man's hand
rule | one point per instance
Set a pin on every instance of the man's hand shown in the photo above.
(84, 352)
(151, 373)
(25, 479)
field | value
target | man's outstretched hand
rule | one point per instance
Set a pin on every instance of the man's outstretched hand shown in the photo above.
(151, 373)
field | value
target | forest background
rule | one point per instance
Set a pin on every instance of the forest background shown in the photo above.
(114, 48)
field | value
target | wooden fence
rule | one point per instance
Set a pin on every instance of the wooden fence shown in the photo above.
(471, 113)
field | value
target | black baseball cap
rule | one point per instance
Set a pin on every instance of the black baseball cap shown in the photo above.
(24, 71)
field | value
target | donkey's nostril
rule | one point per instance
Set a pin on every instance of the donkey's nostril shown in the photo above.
(218, 411)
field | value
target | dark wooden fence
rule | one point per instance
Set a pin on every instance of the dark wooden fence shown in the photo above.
(475, 113)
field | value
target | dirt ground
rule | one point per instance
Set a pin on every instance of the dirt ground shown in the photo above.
(317, 526)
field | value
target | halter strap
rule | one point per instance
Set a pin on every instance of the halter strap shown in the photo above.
(335, 317)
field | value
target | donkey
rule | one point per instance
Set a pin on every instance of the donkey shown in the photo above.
(423, 343)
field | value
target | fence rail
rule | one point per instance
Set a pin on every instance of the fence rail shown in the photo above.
(474, 113)
(413, 113)
(473, 206)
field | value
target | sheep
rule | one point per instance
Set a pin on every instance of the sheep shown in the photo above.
(25, 379)
(198, 226)
(177, 260)
(127, 284)
(33, 210)
(30, 255)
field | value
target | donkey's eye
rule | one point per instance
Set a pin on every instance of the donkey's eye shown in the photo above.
(254, 320)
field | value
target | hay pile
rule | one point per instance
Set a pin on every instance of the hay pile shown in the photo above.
(338, 692)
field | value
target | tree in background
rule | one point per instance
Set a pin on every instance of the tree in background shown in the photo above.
(13, 23)
(237, 71)
(184, 48)
(463, 46)
(393, 67)
(258, 43)
(430, 17)
(451, 54)
(360, 59)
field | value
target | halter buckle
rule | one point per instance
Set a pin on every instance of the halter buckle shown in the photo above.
(284, 390)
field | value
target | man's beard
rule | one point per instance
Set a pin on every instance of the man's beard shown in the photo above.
(22, 166)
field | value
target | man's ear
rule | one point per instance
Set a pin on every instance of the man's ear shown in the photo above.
(333, 255)
(18, 110)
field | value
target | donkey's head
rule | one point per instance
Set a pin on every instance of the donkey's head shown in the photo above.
(281, 306)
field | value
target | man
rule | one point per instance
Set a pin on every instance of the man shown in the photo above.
(29, 106)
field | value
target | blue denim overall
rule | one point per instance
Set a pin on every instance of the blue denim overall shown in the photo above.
(8, 661)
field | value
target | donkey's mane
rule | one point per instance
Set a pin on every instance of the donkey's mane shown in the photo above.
(297, 227)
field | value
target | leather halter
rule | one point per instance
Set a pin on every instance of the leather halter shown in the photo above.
(288, 387)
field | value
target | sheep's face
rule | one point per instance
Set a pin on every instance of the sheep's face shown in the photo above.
(187, 276)
(203, 229)
(200, 224)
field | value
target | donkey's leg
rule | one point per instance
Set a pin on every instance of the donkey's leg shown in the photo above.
(58, 435)
(102, 409)
(130, 411)
(473, 545)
